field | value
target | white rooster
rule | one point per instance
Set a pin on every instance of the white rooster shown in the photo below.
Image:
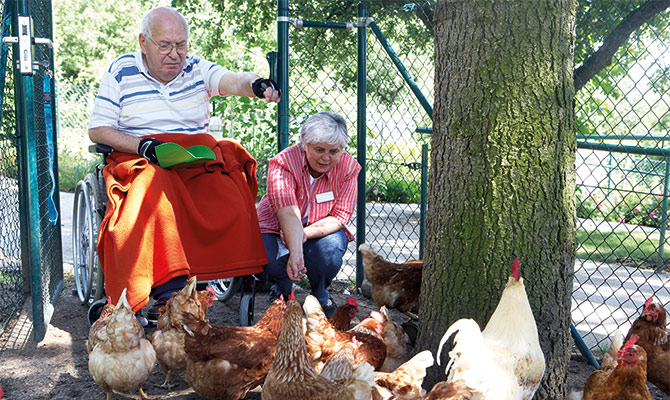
(505, 361)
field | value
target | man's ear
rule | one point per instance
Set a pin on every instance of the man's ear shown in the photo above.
(143, 42)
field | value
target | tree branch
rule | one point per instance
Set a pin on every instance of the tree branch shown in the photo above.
(603, 57)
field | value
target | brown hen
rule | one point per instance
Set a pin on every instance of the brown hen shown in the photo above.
(323, 340)
(342, 316)
(293, 377)
(225, 362)
(168, 339)
(650, 326)
(393, 285)
(626, 381)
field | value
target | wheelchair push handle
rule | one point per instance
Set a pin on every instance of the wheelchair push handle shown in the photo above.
(100, 148)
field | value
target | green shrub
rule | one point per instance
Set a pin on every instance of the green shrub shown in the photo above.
(620, 206)
(73, 167)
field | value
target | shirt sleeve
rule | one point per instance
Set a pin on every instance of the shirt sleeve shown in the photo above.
(281, 186)
(107, 106)
(212, 74)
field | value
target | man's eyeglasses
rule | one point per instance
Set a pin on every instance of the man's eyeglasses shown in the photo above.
(166, 48)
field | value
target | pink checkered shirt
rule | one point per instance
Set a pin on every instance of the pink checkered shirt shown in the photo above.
(288, 184)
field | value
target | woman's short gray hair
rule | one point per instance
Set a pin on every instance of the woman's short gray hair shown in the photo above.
(324, 127)
(145, 24)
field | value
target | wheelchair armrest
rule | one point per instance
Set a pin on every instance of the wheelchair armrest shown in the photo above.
(100, 148)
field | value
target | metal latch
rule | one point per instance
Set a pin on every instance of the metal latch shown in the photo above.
(25, 42)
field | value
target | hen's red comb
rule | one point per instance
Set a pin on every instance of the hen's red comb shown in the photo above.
(629, 343)
(648, 303)
(210, 300)
(516, 269)
(352, 301)
(291, 295)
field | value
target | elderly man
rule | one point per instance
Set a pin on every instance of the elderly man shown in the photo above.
(163, 225)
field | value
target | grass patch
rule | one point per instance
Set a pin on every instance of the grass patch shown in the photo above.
(637, 247)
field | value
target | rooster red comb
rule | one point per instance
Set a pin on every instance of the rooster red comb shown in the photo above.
(516, 269)
(291, 295)
(352, 301)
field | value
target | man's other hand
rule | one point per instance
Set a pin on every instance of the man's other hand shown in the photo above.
(147, 149)
(266, 89)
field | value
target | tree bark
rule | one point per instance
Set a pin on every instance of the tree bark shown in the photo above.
(502, 174)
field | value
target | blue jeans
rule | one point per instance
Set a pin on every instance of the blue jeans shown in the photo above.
(323, 260)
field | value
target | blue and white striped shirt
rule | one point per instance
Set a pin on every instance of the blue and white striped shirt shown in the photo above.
(132, 101)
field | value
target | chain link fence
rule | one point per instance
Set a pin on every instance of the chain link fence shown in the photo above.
(11, 277)
(623, 171)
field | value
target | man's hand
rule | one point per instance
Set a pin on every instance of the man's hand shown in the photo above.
(266, 89)
(147, 149)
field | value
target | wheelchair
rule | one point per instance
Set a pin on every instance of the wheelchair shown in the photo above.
(90, 203)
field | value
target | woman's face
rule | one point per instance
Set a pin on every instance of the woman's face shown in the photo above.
(321, 157)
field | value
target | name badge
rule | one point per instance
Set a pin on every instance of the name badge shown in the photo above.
(325, 196)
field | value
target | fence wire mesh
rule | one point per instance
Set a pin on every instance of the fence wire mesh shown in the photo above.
(11, 277)
(323, 75)
(623, 116)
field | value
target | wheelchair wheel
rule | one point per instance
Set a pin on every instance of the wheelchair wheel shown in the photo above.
(225, 288)
(247, 310)
(85, 223)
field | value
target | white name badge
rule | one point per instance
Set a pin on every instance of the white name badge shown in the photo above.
(325, 196)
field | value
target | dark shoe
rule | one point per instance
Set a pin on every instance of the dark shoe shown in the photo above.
(329, 308)
(155, 310)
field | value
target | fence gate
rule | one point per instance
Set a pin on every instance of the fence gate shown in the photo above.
(30, 243)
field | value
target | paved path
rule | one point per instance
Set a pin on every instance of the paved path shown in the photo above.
(605, 296)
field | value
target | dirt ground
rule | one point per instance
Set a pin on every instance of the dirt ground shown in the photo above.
(57, 367)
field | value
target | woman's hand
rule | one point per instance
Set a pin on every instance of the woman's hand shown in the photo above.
(295, 267)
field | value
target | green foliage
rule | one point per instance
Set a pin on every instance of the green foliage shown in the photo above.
(620, 206)
(89, 34)
(638, 247)
(73, 167)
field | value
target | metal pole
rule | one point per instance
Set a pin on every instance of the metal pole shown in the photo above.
(401, 68)
(282, 72)
(25, 130)
(361, 119)
(583, 348)
(424, 198)
(664, 215)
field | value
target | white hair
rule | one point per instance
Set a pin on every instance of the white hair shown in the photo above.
(324, 127)
(145, 24)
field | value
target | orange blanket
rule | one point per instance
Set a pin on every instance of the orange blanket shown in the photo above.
(163, 223)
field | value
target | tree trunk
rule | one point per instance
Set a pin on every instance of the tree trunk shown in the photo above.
(502, 178)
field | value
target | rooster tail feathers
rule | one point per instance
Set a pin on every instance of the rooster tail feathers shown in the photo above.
(468, 326)
(360, 381)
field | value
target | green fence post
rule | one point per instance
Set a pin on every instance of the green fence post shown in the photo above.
(282, 72)
(361, 118)
(29, 192)
(664, 215)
